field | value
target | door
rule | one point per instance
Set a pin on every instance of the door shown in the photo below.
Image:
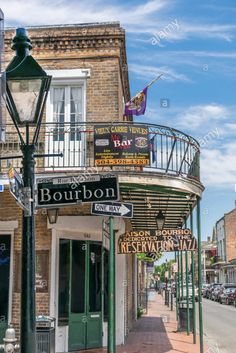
(94, 305)
(66, 133)
(84, 291)
(78, 296)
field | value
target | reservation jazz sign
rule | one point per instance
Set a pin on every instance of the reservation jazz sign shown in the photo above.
(165, 240)
(121, 145)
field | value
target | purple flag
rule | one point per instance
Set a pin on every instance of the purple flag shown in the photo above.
(137, 105)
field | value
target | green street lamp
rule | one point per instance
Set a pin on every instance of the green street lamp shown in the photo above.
(27, 86)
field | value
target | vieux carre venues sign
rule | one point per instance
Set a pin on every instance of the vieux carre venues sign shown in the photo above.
(121, 145)
(156, 241)
(61, 191)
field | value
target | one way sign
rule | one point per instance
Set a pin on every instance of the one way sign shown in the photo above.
(115, 209)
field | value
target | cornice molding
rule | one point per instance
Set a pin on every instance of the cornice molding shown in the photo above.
(69, 40)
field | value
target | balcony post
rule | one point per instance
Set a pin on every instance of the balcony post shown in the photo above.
(199, 276)
(112, 291)
(193, 282)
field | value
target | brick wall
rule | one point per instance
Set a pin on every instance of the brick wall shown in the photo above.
(98, 48)
(9, 211)
(230, 231)
(102, 50)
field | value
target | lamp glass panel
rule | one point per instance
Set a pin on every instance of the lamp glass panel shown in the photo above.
(25, 94)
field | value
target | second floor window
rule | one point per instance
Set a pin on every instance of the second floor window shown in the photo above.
(68, 107)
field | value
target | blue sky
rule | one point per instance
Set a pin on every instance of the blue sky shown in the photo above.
(194, 43)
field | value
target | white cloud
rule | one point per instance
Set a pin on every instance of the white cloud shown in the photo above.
(149, 72)
(213, 125)
(218, 166)
(61, 11)
(199, 115)
(144, 19)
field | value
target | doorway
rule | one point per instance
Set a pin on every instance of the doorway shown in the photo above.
(66, 134)
(80, 292)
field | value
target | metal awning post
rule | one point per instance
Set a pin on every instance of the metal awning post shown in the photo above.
(187, 292)
(199, 276)
(112, 291)
(182, 275)
(193, 282)
(176, 289)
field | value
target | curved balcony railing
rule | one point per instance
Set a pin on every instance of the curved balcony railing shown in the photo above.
(171, 151)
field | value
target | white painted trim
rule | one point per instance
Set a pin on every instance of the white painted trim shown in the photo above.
(11, 280)
(8, 226)
(67, 78)
(69, 73)
(53, 274)
(78, 225)
(11, 234)
(85, 228)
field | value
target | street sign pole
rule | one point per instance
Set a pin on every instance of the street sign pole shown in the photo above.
(112, 291)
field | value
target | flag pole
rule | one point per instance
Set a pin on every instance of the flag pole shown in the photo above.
(154, 80)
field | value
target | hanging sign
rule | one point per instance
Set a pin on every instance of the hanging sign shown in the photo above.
(121, 144)
(165, 240)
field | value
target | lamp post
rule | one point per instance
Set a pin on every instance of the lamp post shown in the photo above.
(27, 85)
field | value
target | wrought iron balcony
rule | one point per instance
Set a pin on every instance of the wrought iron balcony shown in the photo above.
(171, 151)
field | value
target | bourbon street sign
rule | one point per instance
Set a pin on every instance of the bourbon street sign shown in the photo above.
(155, 241)
(62, 191)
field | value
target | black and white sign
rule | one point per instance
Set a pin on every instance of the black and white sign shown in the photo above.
(75, 189)
(115, 209)
(15, 185)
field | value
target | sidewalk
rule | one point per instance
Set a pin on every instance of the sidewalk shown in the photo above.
(156, 333)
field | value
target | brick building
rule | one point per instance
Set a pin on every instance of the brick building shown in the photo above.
(89, 69)
(226, 247)
(89, 86)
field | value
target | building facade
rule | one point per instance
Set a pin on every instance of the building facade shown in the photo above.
(226, 247)
(209, 258)
(89, 86)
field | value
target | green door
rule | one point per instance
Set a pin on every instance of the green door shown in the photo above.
(85, 293)
(94, 304)
(78, 294)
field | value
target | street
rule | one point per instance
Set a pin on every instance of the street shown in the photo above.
(219, 326)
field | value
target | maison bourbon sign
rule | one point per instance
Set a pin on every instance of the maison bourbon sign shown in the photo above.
(166, 240)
